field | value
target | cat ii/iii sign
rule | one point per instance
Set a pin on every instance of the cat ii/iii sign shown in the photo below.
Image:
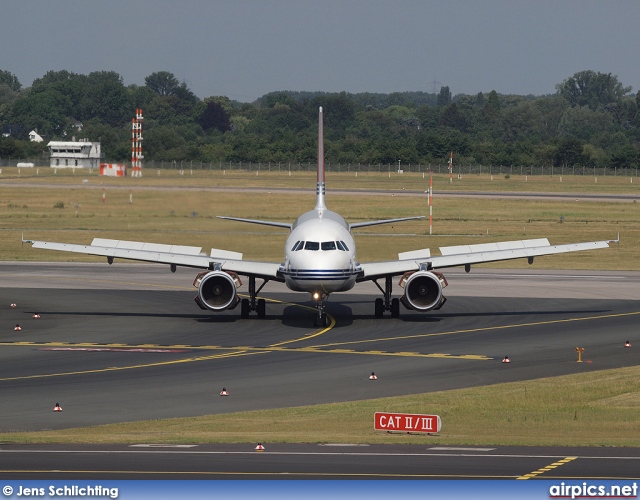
(407, 422)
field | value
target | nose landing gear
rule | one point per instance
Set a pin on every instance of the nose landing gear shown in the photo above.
(321, 317)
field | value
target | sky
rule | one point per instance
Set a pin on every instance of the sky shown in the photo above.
(244, 49)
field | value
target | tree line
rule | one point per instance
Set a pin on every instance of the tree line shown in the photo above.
(592, 120)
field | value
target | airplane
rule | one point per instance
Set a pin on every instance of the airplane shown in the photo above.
(320, 259)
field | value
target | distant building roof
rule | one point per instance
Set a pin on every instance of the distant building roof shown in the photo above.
(70, 144)
(35, 137)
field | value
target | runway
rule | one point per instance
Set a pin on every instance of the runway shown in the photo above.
(313, 461)
(560, 196)
(122, 343)
(126, 342)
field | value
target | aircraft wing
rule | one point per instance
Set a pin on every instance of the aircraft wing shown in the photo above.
(383, 221)
(257, 221)
(466, 255)
(174, 255)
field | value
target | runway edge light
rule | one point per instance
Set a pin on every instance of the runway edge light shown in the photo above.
(57, 407)
(224, 392)
(627, 344)
(259, 447)
(373, 376)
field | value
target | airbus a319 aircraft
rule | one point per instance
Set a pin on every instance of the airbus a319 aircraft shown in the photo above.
(320, 259)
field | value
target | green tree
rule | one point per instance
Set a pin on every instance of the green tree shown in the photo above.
(451, 116)
(492, 104)
(339, 113)
(107, 99)
(444, 97)
(47, 111)
(625, 157)
(569, 152)
(522, 122)
(162, 143)
(588, 88)
(10, 80)
(162, 83)
(584, 123)
(214, 116)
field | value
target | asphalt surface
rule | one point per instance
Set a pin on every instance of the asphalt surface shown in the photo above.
(560, 196)
(126, 342)
(328, 461)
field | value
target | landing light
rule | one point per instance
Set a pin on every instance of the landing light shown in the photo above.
(316, 296)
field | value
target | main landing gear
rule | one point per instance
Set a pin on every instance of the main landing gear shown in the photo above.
(252, 303)
(321, 318)
(386, 303)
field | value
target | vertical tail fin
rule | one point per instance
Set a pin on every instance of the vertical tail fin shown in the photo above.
(320, 204)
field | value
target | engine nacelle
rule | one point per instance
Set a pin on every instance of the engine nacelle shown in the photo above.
(423, 290)
(217, 290)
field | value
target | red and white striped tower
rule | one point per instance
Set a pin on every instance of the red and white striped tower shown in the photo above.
(430, 203)
(136, 144)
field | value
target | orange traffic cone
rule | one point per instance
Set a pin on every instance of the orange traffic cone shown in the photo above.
(57, 407)
(259, 447)
(373, 376)
(627, 344)
(506, 360)
(17, 328)
(36, 315)
(224, 392)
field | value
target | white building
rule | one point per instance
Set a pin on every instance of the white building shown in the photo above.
(35, 137)
(80, 154)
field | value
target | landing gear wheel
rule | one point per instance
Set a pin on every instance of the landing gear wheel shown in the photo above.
(245, 308)
(261, 308)
(321, 320)
(321, 316)
(395, 308)
(379, 308)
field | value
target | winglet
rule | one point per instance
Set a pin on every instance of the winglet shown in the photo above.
(25, 241)
(320, 203)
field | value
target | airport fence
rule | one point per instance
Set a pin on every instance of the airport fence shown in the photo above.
(458, 170)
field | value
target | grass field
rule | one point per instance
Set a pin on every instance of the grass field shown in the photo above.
(174, 208)
(594, 408)
(620, 184)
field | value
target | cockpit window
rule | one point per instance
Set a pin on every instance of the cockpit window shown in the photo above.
(316, 245)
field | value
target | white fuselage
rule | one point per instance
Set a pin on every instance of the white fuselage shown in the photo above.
(320, 254)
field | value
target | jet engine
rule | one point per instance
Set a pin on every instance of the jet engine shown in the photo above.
(423, 290)
(217, 290)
